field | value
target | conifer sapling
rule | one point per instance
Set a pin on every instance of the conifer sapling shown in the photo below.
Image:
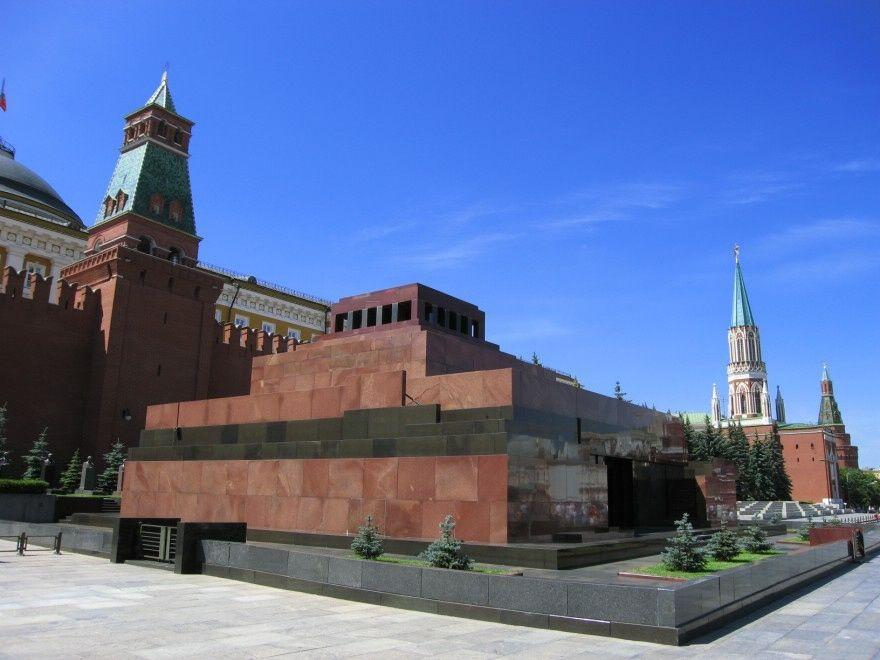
(723, 545)
(446, 551)
(755, 540)
(683, 553)
(36, 457)
(70, 477)
(366, 543)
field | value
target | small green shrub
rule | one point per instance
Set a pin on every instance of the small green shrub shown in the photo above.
(683, 553)
(23, 486)
(835, 521)
(366, 543)
(723, 545)
(446, 552)
(70, 477)
(755, 540)
(803, 532)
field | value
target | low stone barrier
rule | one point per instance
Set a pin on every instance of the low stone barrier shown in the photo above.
(44, 508)
(667, 614)
(84, 540)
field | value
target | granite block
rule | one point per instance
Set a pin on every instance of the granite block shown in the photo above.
(643, 633)
(349, 593)
(384, 447)
(267, 560)
(215, 552)
(345, 572)
(392, 578)
(240, 574)
(608, 602)
(513, 592)
(239, 556)
(303, 566)
(329, 429)
(422, 414)
(301, 430)
(693, 600)
(581, 626)
(455, 586)
(530, 619)
(271, 580)
(476, 612)
(216, 571)
(408, 603)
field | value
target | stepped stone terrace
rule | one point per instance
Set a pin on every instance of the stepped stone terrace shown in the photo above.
(405, 412)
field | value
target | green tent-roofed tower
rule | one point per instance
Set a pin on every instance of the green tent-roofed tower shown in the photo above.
(151, 178)
(829, 413)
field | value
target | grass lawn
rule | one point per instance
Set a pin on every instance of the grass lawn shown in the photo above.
(712, 566)
(794, 539)
(412, 561)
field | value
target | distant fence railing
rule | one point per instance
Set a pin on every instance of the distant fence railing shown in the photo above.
(220, 270)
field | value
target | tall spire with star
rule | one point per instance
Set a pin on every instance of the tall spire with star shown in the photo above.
(748, 397)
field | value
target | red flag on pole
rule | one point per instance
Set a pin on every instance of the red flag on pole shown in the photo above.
(3, 95)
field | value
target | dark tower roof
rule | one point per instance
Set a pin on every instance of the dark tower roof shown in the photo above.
(742, 311)
(20, 181)
(829, 413)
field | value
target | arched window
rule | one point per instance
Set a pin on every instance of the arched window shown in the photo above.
(121, 199)
(756, 400)
(162, 130)
(177, 136)
(157, 203)
(145, 245)
(174, 211)
(174, 255)
(740, 347)
(742, 403)
(99, 244)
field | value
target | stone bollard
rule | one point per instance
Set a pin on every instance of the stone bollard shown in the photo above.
(47, 469)
(120, 475)
(87, 478)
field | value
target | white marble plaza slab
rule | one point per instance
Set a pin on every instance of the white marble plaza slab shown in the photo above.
(68, 606)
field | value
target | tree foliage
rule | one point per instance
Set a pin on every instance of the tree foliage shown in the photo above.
(366, 543)
(755, 540)
(113, 459)
(446, 552)
(37, 456)
(860, 489)
(70, 477)
(761, 473)
(683, 552)
(723, 545)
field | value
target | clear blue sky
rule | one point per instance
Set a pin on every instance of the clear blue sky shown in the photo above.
(579, 170)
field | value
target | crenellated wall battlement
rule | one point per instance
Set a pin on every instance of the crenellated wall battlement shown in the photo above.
(35, 290)
(255, 342)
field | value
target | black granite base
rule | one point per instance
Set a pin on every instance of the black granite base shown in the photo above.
(667, 614)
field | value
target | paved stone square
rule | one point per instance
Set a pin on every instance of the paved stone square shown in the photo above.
(76, 606)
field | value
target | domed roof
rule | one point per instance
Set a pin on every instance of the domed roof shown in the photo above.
(21, 181)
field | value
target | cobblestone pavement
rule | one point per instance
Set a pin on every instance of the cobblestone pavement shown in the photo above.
(76, 606)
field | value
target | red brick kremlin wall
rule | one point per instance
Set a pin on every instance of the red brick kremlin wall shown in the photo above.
(78, 365)
(46, 356)
(407, 497)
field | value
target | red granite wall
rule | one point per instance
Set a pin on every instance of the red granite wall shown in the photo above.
(407, 497)
(717, 483)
